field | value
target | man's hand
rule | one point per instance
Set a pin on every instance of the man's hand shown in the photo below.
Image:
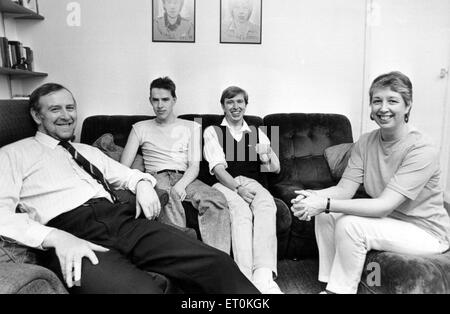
(179, 191)
(70, 251)
(147, 200)
(247, 194)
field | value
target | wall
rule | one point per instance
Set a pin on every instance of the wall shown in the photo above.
(311, 58)
(413, 36)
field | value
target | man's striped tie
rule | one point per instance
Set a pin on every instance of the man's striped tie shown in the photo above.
(90, 168)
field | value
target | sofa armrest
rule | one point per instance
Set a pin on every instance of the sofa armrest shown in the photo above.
(28, 279)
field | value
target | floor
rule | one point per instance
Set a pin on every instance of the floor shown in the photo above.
(299, 277)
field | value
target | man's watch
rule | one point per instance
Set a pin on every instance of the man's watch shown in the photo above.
(236, 189)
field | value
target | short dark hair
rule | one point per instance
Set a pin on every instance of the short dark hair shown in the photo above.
(232, 92)
(164, 83)
(397, 82)
(42, 91)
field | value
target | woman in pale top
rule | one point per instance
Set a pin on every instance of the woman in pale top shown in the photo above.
(400, 172)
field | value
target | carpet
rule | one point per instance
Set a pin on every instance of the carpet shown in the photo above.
(299, 277)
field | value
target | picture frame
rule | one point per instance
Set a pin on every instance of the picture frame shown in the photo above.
(240, 21)
(30, 5)
(173, 21)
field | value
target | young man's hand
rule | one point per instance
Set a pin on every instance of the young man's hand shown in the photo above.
(247, 194)
(70, 251)
(179, 191)
(147, 200)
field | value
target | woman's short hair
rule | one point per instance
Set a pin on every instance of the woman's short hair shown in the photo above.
(232, 92)
(164, 83)
(42, 91)
(395, 81)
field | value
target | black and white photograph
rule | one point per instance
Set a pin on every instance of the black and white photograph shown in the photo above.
(173, 20)
(240, 21)
(31, 5)
(210, 149)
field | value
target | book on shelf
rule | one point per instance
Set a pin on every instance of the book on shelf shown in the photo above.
(5, 53)
(29, 58)
(15, 56)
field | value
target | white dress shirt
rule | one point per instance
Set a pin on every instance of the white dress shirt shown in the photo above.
(214, 152)
(43, 179)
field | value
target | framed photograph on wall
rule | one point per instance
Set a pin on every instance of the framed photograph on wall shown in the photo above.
(31, 5)
(240, 21)
(173, 21)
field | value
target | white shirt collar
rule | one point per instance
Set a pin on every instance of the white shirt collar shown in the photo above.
(244, 128)
(46, 140)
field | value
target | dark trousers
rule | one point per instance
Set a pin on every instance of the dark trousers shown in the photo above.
(139, 246)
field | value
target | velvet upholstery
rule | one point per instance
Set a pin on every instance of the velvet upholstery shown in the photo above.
(28, 279)
(405, 274)
(15, 121)
(303, 139)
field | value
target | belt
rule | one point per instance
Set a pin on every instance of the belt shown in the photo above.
(170, 170)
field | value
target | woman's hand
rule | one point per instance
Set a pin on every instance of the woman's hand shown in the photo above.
(307, 205)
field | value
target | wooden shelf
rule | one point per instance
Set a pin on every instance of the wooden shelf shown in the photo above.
(15, 73)
(18, 11)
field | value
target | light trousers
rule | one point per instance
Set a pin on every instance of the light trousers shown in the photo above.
(253, 227)
(344, 241)
(213, 214)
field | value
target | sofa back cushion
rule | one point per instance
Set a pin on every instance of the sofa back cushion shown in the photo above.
(119, 126)
(303, 139)
(15, 121)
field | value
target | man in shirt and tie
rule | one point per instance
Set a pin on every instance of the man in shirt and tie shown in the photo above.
(66, 195)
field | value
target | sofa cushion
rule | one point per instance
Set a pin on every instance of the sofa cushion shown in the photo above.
(301, 140)
(15, 121)
(337, 157)
(28, 279)
(118, 126)
(401, 273)
(106, 144)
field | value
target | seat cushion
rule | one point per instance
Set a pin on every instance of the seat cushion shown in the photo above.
(107, 145)
(28, 279)
(399, 273)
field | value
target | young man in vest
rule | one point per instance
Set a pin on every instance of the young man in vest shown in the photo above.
(252, 208)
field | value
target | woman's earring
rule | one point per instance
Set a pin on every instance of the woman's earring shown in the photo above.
(407, 117)
(371, 117)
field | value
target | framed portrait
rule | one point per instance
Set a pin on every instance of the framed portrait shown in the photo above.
(173, 21)
(240, 21)
(31, 5)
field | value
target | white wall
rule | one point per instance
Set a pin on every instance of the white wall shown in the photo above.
(311, 58)
(413, 36)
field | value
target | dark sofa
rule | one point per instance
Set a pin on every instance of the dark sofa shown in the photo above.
(303, 139)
